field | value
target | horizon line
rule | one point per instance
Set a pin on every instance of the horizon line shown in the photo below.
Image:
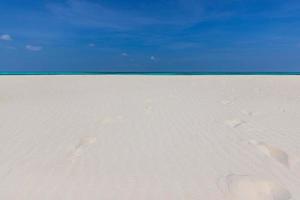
(148, 73)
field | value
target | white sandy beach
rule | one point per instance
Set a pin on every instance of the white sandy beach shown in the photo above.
(149, 137)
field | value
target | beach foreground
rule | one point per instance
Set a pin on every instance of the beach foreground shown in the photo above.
(150, 137)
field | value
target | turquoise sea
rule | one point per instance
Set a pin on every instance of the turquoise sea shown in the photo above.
(151, 73)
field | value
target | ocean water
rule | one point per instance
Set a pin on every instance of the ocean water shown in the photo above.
(150, 73)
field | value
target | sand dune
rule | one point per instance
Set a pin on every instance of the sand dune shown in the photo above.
(150, 137)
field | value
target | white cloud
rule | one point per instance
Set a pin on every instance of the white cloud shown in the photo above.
(33, 48)
(152, 58)
(124, 54)
(5, 37)
(92, 45)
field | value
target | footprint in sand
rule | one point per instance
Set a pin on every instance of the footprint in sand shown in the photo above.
(228, 101)
(148, 108)
(87, 140)
(234, 123)
(249, 113)
(106, 121)
(243, 187)
(110, 120)
(272, 152)
(83, 143)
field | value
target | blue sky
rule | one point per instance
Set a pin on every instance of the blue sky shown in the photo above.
(150, 35)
